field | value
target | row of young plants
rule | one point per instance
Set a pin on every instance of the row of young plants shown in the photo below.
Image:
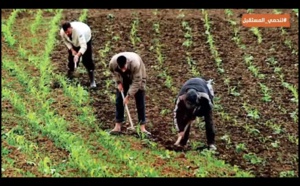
(103, 54)
(211, 42)
(253, 113)
(188, 44)
(19, 71)
(13, 140)
(161, 67)
(250, 129)
(195, 70)
(147, 159)
(44, 96)
(8, 25)
(117, 148)
(287, 41)
(157, 33)
(35, 157)
(57, 126)
(241, 148)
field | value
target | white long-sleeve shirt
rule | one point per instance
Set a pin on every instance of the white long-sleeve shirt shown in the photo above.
(81, 34)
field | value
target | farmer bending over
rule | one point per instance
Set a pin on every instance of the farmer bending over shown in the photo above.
(78, 39)
(129, 74)
(195, 99)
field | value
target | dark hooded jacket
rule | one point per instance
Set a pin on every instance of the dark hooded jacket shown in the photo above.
(204, 105)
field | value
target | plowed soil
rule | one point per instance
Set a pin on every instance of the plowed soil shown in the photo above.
(106, 24)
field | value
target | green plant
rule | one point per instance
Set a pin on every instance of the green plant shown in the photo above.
(287, 174)
(250, 10)
(257, 33)
(240, 147)
(275, 144)
(234, 92)
(226, 138)
(228, 12)
(253, 158)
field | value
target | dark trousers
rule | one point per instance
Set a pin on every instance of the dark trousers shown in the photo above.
(87, 58)
(209, 129)
(140, 105)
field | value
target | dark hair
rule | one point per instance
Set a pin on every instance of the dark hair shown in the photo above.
(66, 25)
(191, 95)
(121, 60)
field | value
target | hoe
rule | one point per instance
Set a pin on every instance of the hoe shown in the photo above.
(128, 114)
(184, 133)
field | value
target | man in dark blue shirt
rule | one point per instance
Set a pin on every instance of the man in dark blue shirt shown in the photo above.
(195, 99)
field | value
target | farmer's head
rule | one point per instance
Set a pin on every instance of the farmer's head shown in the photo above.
(191, 99)
(67, 28)
(121, 60)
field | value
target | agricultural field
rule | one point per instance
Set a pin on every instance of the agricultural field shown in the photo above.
(53, 127)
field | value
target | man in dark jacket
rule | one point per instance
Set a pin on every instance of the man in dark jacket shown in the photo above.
(129, 73)
(195, 99)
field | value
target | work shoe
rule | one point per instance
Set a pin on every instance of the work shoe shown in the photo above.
(92, 79)
(147, 133)
(115, 132)
(179, 145)
(212, 147)
(93, 85)
(70, 75)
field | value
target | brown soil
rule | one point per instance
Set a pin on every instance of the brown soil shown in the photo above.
(160, 97)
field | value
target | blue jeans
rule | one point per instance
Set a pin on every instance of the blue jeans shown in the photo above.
(140, 105)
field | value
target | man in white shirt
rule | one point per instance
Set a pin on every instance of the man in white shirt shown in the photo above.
(78, 39)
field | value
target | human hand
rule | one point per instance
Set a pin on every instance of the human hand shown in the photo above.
(73, 52)
(180, 136)
(126, 100)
